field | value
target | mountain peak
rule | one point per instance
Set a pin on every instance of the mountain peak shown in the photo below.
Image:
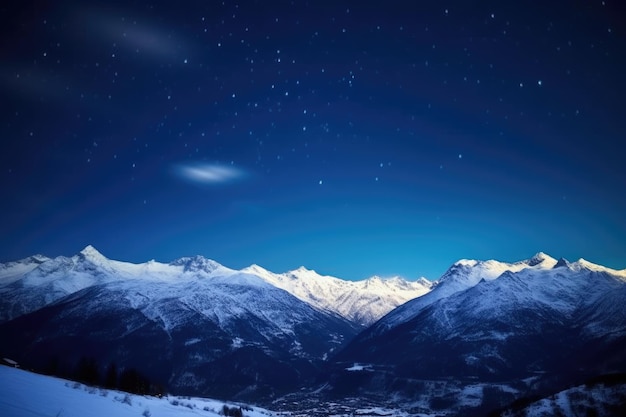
(374, 278)
(254, 268)
(36, 259)
(538, 258)
(91, 253)
(541, 258)
(562, 262)
(303, 272)
(466, 262)
(196, 263)
(425, 282)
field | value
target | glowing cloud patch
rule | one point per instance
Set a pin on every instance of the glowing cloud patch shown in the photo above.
(209, 173)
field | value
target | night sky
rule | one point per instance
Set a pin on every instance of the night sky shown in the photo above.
(355, 138)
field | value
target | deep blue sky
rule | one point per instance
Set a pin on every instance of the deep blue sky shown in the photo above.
(355, 138)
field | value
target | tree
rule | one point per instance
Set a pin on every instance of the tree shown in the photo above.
(132, 381)
(53, 366)
(233, 412)
(110, 378)
(87, 371)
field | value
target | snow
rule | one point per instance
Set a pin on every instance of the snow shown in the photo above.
(471, 395)
(584, 264)
(597, 400)
(558, 295)
(536, 281)
(359, 367)
(362, 302)
(13, 271)
(192, 341)
(25, 394)
(89, 252)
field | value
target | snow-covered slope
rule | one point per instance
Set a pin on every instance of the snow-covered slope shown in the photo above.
(362, 302)
(27, 394)
(191, 315)
(597, 399)
(40, 283)
(32, 283)
(12, 271)
(461, 276)
(472, 293)
(540, 318)
(232, 336)
(35, 282)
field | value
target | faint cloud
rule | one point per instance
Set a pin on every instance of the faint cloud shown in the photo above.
(204, 173)
(89, 31)
(138, 35)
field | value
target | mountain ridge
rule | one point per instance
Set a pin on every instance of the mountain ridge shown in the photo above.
(62, 275)
(467, 273)
(362, 301)
(201, 327)
(517, 328)
(205, 329)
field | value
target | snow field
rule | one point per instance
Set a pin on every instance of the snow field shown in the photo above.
(25, 394)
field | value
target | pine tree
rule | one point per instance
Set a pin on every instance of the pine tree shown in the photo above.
(87, 371)
(132, 381)
(110, 379)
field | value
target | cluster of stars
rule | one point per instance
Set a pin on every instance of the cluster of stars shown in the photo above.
(337, 95)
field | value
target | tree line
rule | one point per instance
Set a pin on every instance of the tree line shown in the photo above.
(89, 372)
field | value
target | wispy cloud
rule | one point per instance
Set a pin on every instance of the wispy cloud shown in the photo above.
(139, 35)
(205, 173)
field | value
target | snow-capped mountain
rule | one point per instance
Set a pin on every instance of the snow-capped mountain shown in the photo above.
(462, 275)
(542, 320)
(362, 302)
(32, 283)
(12, 271)
(232, 336)
(191, 322)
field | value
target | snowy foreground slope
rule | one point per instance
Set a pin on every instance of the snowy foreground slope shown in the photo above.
(24, 394)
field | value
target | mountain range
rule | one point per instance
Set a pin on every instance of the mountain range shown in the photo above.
(483, 335)
(29, 284)
(193, 324)
(536, 325)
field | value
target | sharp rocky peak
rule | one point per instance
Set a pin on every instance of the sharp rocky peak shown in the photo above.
(562, 263)
(33, 259)
(393, 280)
(254, 268)
(376, 278)
(540, 258)
(196, 263)
(303, 272)
(90, 253)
